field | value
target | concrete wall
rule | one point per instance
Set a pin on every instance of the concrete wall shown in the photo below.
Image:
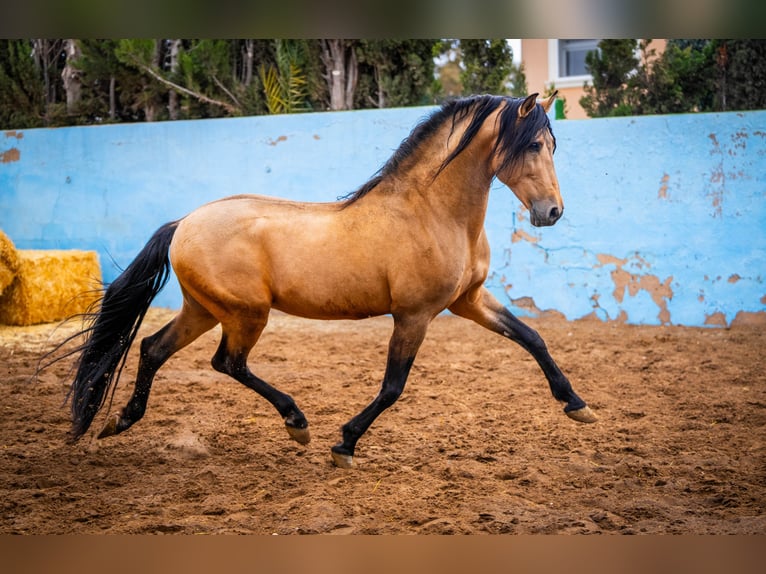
(664, 221)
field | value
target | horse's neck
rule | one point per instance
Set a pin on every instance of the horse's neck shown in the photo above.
(459, 193)
(455, 196)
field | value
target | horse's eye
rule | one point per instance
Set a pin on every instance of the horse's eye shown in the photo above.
(535, 147)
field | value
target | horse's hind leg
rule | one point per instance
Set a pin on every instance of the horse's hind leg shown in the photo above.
(189, 324)
(231, 358)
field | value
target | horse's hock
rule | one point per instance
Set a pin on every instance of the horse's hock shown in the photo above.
(41, 286)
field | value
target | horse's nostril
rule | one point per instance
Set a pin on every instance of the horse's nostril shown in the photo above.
(554, 213)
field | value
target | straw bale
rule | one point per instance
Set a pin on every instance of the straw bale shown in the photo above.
(9, 261)
(50, 285)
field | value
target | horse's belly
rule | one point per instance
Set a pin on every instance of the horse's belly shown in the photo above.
(324, 293)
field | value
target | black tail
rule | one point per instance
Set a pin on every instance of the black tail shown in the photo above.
(114, 327)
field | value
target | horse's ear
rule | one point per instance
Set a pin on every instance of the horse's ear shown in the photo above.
(549, 102)
(528, 105)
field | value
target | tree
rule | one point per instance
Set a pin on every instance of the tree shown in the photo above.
(395, 72)
(175, 46)
(610, 67)
(517, 82)
(681, 80)
(487, 65)
(68, 81)
(22, 100)
(70, 75)
(102, 77)
(478, 66)
(49, 57)
(113, 89)
(689, 76)
(341, 71)
(143, 57)
(741, 74)
(629, 78)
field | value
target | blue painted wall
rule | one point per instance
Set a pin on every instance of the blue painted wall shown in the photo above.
(664, 220)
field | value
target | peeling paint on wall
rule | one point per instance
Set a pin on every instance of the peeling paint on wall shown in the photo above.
(529, 305)
(663, 193)
(659, 291)
(521, 235)
(10, 155)
(634, 281)
(278, 140)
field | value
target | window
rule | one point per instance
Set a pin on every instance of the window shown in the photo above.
(566, 61)
(572, 56)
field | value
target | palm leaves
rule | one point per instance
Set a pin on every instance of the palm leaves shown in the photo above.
(284, 83)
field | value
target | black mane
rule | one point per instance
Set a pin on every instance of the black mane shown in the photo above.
(513, 138)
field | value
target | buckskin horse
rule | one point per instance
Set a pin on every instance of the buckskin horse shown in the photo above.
(410, 243)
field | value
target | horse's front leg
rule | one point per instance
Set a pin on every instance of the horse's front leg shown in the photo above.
(480, 306)
(406, 339)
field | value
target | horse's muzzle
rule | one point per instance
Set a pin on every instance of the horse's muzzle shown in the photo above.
(544, 213)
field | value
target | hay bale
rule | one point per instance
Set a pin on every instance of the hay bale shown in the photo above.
(50, 285)
(9, 261)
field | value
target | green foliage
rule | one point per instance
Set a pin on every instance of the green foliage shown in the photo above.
(395, 73)
(487, 66)
(518, 82)
(158, 79)
(610, 67)
(478, 66)
(689, 76)
(741, 74)
(680, 80)
(108, 84)
(204, 68)
(135, 51)
(21, 87)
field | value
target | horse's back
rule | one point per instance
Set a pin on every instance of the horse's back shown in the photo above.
(258, 251)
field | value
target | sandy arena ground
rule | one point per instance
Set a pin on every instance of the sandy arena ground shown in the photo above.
(475, 445)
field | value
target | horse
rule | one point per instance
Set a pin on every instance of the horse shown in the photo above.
(409, 243)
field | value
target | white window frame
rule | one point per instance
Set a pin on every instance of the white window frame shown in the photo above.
(554, 67)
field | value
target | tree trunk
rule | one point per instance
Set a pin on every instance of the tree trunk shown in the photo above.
(38, 52)
(341, 72)
(381, 93)
(71, 76)
(112, 98)
(150, 104)
(352, 75)
(175, 46)
(249, 56)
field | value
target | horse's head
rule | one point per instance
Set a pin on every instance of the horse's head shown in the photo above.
(524, 159)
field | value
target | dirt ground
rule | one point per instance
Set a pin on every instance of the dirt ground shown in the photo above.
(475, 445)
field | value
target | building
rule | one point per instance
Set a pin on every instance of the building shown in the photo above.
(562, 63)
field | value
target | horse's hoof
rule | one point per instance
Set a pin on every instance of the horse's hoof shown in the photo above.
(301, 436)
(583, 415)
(342, 460)
(110, 428)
